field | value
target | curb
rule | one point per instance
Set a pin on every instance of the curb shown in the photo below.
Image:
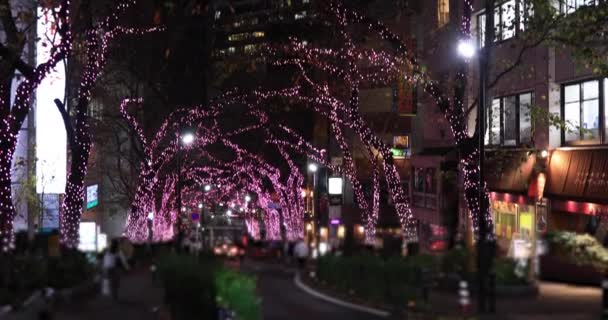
(377, 312)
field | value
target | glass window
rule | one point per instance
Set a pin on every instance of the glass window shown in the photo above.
(443, 12)
(509, 120)
(481, 29)
(569, 6)
(591, 120)
(525, 118)
(494, 123)
(525, 12)
(582, 111)
(507, 19)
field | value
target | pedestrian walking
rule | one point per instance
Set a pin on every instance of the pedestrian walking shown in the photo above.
(113, 264)
(301, 252)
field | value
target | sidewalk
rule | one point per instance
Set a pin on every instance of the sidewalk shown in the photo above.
(138, 298)
(555, 301)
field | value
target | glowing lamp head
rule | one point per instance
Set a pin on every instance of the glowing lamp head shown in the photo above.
(229, 212)
(466, 49)
(247, 198)
(544, 154)
(187, 138)
(312, 167)
(200, 205)
(183, 209)
(151, 216)
(207, 187)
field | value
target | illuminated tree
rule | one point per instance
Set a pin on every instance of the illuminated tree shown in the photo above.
(97, 40)
(13, 116)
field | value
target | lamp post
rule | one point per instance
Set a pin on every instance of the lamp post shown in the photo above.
(187, 139)
(150, 228)
(313, 168)
(467, 50)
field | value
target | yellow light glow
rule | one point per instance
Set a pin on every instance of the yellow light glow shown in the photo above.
(341, 232)
(324, 233)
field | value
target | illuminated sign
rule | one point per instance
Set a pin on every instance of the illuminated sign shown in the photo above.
(335, 185)
(401, 147)
(51, 148)
(87, 232)
(92, 196)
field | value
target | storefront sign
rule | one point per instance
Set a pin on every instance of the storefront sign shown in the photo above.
(580, 174)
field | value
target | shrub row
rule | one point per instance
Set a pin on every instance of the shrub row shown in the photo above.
(21, 275)
(197, 287)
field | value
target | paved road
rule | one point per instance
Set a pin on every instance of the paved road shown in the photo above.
(282, 300)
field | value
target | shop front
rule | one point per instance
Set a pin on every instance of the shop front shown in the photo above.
(517, 221)
(578, 189)
(516, 204)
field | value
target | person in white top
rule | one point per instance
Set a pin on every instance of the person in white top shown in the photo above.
(113, 261)
(301, 252)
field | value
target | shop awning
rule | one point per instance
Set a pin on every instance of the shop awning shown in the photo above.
(509, 172)
(579, 174)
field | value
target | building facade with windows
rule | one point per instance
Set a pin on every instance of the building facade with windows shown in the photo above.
(547, 151)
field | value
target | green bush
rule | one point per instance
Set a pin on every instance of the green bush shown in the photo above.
(581, 249)
(236, 292)
(455, 261)
(508, 273)
(22, 274)
(394, 280)
(189, 287)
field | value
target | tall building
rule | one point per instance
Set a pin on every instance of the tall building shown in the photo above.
(561, 184)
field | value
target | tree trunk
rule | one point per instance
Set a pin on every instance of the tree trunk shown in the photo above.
(470, 171)
(7, 210)
(73, 202)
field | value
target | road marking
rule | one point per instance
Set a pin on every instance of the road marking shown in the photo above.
(298, 282)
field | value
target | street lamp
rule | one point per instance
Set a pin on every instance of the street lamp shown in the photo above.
(485, 256)
(247, 198)
(150, 226)
(200, 205)
(185, 138)
(466, 48)
(312, 167)
(207, 188)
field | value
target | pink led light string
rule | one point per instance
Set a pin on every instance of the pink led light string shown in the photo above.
(453, 109)
(97, 44)
(12, 118)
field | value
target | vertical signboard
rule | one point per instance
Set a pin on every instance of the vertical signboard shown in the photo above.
(92, 196)
(51, 149)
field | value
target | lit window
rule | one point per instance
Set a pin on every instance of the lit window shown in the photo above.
(250, 48)
(300, 15)
(510, 121)
(582, 111)
(231, 50)
(258, 34)
(443, 12)
(569, 6)
(218, 14)
(509, 17)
